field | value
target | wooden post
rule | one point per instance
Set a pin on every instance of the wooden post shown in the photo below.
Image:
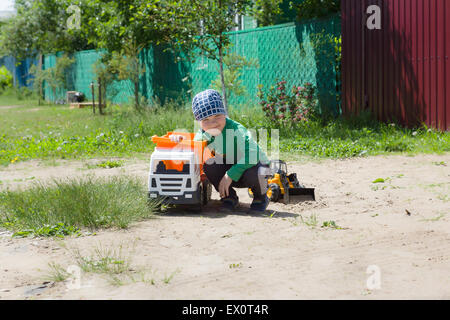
(40, 82)
(93, 97)
(100, 96)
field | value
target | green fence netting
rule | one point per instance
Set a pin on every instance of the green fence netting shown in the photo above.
(295, 52)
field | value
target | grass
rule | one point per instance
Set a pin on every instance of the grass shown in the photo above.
(109, 261)
(310, 221)
(168, 278)
(437, 218)
(62, 207)
(57, 132)
(56, 273)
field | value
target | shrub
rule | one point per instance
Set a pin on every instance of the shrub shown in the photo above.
(6, 79)
(286, 109)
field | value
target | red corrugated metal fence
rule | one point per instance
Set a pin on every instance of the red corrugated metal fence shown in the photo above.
(400, 72)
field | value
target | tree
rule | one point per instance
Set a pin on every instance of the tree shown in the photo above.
(124, 28)
(234, 64)
(266, 12)
(55, 77)
(310, 9)
(40, 27)
(200, 27)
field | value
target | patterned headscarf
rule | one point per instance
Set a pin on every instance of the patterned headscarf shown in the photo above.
(206, 104)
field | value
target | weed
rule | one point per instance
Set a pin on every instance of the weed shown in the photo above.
(310, 221)
(330, 224)
(439, 217)
(444, 197)
(107, 261)
(57, 273)
(110, 164)
(235, 265)
(169, 278)
(59, 230)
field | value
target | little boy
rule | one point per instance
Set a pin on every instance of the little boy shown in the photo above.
(238, 160)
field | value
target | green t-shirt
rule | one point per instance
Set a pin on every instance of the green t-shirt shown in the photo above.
(243, 152)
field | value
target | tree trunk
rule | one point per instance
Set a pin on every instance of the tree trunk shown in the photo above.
(222, 79)
(104, 95)
(136, 95)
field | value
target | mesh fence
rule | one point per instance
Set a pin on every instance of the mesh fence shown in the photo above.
(20, 70)
(297, 53)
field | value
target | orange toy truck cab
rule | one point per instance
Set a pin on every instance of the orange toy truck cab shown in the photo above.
(176, 171)
(187, 143)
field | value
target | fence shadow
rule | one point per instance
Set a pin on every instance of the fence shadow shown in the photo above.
(316, 38)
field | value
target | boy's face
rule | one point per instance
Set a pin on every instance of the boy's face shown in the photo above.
(214, 125)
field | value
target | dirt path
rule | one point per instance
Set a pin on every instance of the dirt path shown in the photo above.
(277, 256)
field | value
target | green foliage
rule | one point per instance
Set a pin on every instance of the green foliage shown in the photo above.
(60, 230)
(110, 164)
(234, 65)
(311, 9)
(41, 26)
(330, 224)
(6, 78)
(266, 12)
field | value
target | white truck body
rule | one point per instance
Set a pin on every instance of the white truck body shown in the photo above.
(178, 187)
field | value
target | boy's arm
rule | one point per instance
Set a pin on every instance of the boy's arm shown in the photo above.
(199, 136)
(249, 153)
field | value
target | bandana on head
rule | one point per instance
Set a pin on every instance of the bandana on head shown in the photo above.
(207, 103)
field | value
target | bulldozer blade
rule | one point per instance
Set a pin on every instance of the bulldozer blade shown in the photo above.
(295, 195)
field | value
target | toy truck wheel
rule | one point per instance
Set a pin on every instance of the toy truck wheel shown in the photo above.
(200, 195)
(206, 192)
(274, 192)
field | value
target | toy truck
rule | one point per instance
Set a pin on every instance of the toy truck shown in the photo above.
(284, 187)
(176, 171)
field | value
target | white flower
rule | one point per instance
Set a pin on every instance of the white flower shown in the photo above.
(121, 132)
(414, 133)
(136, 135)
(59, 148)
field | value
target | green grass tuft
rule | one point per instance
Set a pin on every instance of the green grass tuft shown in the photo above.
(64, 206)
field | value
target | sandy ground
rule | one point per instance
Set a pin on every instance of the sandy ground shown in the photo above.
(381, 252)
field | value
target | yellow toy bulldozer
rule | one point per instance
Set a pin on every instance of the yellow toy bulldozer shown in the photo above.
(285, 188)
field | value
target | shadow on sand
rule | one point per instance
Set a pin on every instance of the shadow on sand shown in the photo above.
(212, 211)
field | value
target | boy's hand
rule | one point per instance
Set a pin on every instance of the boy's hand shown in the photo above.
(175, 137)
(224, 185)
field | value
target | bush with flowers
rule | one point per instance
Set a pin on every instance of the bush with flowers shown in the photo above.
(288, 109)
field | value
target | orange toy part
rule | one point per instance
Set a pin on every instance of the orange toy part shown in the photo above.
(187, 143)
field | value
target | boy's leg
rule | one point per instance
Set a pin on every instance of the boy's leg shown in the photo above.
(215, 168)
(251, 178)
